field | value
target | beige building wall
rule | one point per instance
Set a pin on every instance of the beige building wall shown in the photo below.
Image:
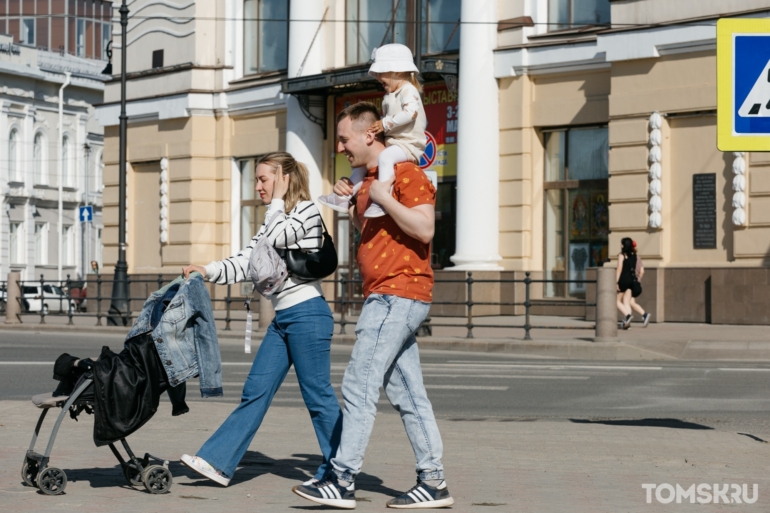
(200, 152)
(527, 105)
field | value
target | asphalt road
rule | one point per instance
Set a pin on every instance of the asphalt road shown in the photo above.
(480, 387)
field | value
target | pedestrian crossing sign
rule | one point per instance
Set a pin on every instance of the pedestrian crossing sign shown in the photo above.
(743, 84)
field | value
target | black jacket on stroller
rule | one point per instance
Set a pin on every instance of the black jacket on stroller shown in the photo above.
(127, 388)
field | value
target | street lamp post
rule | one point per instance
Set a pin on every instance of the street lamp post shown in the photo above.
(119, 304)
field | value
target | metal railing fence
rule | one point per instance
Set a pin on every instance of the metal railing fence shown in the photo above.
(58, 305)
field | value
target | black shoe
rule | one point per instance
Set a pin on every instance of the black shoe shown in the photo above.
(646, 319)
(627, 322)
(423, 496)
(329, 493)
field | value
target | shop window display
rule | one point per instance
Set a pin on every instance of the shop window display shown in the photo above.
(576, 207)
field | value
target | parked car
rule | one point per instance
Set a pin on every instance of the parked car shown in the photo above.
(3, 299)
(48, 298)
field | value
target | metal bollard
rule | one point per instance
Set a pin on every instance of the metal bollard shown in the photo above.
(13, 299)
(469, 306)
(527, 304)
(606, 314)
(98, 299)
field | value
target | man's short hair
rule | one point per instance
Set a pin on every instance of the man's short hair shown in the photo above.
(363, 114)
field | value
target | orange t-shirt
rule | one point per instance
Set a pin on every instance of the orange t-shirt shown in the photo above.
(392, 262)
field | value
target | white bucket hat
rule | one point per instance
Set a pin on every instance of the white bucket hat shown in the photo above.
(394, 57)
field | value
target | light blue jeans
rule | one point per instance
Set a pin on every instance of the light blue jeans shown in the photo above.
(300, 336)
(386, 355)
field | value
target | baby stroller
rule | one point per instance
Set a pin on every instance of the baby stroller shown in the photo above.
(122, 390)
(151, 472)
(37, 472)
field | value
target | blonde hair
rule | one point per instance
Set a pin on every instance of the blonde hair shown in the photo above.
(412, 78)
(299, 178)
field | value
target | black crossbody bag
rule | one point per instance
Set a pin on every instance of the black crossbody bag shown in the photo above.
(313, 266)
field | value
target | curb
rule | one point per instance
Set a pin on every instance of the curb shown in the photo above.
(549, 349)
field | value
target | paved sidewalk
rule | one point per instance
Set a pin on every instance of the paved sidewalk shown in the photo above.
(665, 341)
(522, 465)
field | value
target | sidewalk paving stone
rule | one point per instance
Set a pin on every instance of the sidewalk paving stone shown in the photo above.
(504, 464)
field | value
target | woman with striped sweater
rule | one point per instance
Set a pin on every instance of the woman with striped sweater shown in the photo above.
(300, 334)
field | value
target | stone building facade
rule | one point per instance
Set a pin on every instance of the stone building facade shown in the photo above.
(35, 161)
(564, 126)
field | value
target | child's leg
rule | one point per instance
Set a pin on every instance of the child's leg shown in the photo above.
(387, 160)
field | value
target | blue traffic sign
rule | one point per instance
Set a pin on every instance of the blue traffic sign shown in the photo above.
(752, 84)
(86, 213)
(743, 84)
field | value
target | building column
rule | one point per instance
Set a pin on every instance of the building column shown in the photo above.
(4, 227)
(478, 156)
(304, 139)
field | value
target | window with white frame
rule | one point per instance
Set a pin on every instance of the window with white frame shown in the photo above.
(80, 38)
(38, 158)
(16, 243)
(106, 37)
(99, 247)
(265, 35)
(98, 180)
(65, 161)
(41, 243)
(372, 23)
(68, 245)
(13, 155)
(28, 31)
(564, 14)
(252, 208)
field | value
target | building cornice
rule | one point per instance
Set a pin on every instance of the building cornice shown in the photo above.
(195, 103)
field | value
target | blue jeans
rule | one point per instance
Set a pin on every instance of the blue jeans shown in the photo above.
(299, 335)
(386, 355)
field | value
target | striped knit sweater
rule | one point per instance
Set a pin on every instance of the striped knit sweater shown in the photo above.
(300, 229)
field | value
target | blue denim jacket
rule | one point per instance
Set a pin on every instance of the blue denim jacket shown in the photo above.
(185, 335)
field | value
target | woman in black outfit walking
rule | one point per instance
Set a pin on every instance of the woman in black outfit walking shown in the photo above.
(628, 276)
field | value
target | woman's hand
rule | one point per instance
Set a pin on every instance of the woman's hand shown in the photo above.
(280, 184)
(193, 268)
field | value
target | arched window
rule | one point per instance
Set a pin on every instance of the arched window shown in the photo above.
(13, 155)
(37, 155)
(65, 164)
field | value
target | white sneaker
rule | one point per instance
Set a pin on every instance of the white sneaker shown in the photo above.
(334, 202)
(203, 468)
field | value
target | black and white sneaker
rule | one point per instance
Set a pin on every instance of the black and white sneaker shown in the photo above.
(627, 322)
(423, 496)
(646, 319)
(329, 493)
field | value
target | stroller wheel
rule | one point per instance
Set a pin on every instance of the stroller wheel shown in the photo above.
(52, 481)
(157, 479)
(133, 476)
(29, 473)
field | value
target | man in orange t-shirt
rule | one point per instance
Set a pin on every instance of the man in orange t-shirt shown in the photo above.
(394, 261)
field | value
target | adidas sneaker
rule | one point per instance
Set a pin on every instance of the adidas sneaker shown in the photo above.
(422, 496)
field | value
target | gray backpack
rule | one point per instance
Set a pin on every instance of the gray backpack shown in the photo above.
(267, 271)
